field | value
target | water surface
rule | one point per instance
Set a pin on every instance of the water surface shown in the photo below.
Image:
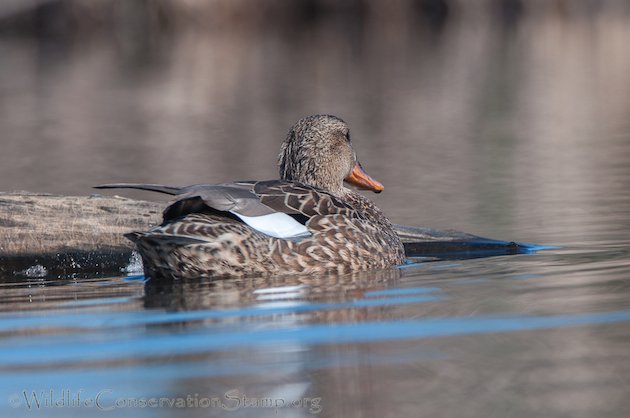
(515, 132)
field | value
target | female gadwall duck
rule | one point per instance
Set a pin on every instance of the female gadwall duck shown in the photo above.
(306, 222)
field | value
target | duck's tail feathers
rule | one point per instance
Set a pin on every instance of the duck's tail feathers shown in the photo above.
(149, 187)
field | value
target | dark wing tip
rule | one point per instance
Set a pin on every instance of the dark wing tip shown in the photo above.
(133, 236)
(160, 188)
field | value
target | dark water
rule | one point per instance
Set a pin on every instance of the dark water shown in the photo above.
(518, 133)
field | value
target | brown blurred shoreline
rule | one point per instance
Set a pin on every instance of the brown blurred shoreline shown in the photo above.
(79, 18)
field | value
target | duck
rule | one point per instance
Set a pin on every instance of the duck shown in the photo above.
(308, 221)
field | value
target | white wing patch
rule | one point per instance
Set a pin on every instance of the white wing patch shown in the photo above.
(278, 225)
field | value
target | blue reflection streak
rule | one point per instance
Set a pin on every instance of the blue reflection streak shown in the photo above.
(90, 347)
(126, 319)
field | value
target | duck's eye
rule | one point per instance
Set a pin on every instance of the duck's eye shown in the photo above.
(347, 135)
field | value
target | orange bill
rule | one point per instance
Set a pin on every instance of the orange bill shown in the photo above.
(362, 180)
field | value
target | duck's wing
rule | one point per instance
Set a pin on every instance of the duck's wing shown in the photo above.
(257, 198)
(237, 198)
(299, 199)
(276, 208)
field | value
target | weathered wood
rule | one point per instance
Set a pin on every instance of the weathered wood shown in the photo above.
(67, 234)
(43, 223)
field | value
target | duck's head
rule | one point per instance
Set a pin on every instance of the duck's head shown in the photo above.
(318, 152)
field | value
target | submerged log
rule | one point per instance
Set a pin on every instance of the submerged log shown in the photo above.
(44, 234)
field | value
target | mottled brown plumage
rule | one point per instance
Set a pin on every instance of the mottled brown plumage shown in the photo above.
(205, 233)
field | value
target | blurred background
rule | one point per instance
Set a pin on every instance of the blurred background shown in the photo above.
(509, 119)
(505, 118)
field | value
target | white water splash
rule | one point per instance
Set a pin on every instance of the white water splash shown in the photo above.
(34, 271)
(135, 264)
